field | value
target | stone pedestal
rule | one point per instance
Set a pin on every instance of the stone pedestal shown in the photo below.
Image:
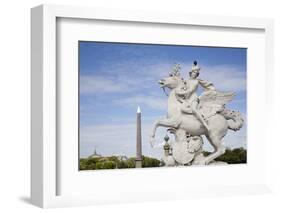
(138, 163)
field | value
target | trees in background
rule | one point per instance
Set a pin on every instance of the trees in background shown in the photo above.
(150, 162)
(113, 162)
(234, 156)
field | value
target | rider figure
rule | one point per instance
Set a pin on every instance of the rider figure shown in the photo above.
(187, 94)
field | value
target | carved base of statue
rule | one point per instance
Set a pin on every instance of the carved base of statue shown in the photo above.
(186, 150)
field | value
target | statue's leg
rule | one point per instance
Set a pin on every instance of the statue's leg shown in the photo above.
(218, 146)
(198, 115)
(166, 122)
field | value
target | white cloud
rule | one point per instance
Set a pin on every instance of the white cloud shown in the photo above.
(225, 77)
(124, 80)
(129, 77)
(111, 139)
(94, 84)
(149, 101)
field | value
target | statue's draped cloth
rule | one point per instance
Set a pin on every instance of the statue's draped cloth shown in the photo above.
(206, 85)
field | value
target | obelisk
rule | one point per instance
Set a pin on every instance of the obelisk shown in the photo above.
(138, 160)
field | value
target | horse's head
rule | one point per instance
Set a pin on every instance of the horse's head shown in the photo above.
(171, 82)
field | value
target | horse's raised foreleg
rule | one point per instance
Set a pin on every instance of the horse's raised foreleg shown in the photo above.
(166, 122)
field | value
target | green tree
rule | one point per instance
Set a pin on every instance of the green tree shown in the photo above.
(99, 165)
(83, 164)
(113, 162)
(131, 163)
(150, 162)
(122, 164)
(232, 156)
(109, 165)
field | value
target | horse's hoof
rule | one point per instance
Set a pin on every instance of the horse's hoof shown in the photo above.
(200, 163)
(197, 163)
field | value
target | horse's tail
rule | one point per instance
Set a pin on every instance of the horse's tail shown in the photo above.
(234, 119)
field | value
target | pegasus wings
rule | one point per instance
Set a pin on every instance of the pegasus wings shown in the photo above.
(213, 97)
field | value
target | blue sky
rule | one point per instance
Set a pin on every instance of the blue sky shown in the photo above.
(116, 78)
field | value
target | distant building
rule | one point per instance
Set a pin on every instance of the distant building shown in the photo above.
(119, 157)
(95, 155)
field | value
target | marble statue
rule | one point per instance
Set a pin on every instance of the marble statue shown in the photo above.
(191, 116)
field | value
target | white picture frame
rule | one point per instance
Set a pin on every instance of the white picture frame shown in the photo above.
(45, 172)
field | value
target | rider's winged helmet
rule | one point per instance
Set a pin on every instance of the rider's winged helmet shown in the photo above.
(195, 68)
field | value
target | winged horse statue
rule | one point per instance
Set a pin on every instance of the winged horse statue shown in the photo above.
(197, 115)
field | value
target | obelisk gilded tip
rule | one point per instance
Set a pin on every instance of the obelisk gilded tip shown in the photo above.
(138, 111)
